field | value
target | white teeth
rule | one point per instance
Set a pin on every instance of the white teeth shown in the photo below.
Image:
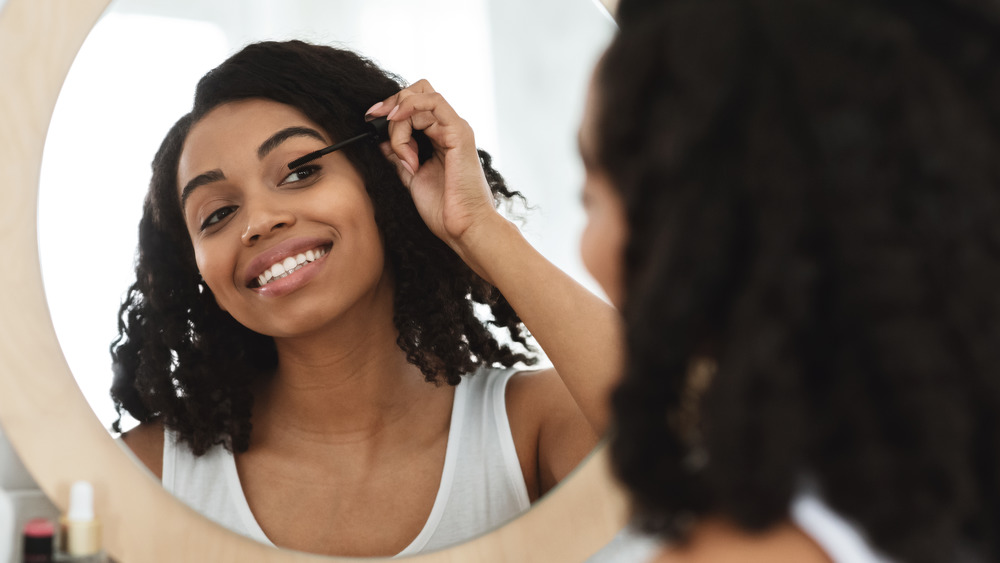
(288, 265)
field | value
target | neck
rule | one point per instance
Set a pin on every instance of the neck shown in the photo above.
(348, 382)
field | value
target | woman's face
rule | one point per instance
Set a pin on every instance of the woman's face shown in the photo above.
(603, 241)
(284, 252)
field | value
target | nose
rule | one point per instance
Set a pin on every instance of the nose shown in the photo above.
(263, 220)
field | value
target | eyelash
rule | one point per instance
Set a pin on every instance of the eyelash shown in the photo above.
(218, 215)
(308, 169)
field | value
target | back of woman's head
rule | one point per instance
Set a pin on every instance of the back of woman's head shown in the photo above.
(812, 267)
(180, 359)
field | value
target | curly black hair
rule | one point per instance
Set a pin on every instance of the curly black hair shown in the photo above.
(181, 360)
(812, 189)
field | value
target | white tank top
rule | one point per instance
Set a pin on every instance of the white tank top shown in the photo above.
(837, 537)
(481, 485)
(841, 540)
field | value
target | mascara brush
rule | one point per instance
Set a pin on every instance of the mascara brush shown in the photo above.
(378, 131)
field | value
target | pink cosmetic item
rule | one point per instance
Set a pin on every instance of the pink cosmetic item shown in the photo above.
(38, 536)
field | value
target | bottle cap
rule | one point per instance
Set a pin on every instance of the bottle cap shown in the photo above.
(38, 535)
(39, 528)
(81, 532)
(81, 502)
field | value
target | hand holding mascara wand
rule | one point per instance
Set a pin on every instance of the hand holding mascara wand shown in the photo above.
(378, 131)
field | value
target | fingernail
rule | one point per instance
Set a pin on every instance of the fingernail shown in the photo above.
(373, 108)
(392, 113)
(406, 166)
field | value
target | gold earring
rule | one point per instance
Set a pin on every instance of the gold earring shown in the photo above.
(686, 420)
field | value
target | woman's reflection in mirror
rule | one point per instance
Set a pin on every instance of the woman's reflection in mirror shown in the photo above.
(332, 358)
(795, 203)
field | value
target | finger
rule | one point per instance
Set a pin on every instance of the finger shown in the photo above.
(409, 103)
(385, 106)
(431, 113)
(423, 120)
(402, 168)
(421, 86)
(381, 108)
(401, 136)
(403, 145)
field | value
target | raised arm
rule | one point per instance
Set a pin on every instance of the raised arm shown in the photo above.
(579, 332)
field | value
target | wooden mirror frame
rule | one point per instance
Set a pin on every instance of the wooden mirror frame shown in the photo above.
(59, 438)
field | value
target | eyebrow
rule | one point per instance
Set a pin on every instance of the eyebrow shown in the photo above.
(198, 181)
(263, 150)
(281, 136)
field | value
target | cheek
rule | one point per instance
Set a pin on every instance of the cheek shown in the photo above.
(602, 246)
(365, 216)
(202, 259)
(212, 271)
(590, 250)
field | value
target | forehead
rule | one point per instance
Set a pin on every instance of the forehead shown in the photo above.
(235, 130)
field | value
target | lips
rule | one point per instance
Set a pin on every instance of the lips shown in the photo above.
(281, 260)
(284, 268)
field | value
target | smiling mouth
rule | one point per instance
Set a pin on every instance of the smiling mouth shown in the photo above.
(288, 266)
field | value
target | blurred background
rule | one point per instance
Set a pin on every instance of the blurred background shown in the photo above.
(517, 70)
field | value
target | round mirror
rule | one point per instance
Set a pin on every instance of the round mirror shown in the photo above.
(46, 417)
(519, 81)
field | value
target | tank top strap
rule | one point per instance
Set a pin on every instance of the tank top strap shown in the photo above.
(486, 488)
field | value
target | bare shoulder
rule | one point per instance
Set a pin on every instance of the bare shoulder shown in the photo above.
(535, 388)
(535, 397)
(551, 434)
(146, 442)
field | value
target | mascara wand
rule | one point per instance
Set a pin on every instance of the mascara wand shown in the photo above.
(378, 130)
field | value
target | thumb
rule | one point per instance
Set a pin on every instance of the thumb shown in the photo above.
(402, 168)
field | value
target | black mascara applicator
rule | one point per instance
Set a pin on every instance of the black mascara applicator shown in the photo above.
(378, 131)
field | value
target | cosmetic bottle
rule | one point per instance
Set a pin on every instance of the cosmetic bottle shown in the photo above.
(20, 501)
(80, 531)
(38, 541)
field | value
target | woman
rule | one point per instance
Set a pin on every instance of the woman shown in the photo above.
(302, 346)
(795, 203)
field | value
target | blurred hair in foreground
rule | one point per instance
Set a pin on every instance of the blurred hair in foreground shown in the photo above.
(813, 270)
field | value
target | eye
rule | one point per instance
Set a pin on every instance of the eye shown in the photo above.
(217, 216)
(300, 174)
